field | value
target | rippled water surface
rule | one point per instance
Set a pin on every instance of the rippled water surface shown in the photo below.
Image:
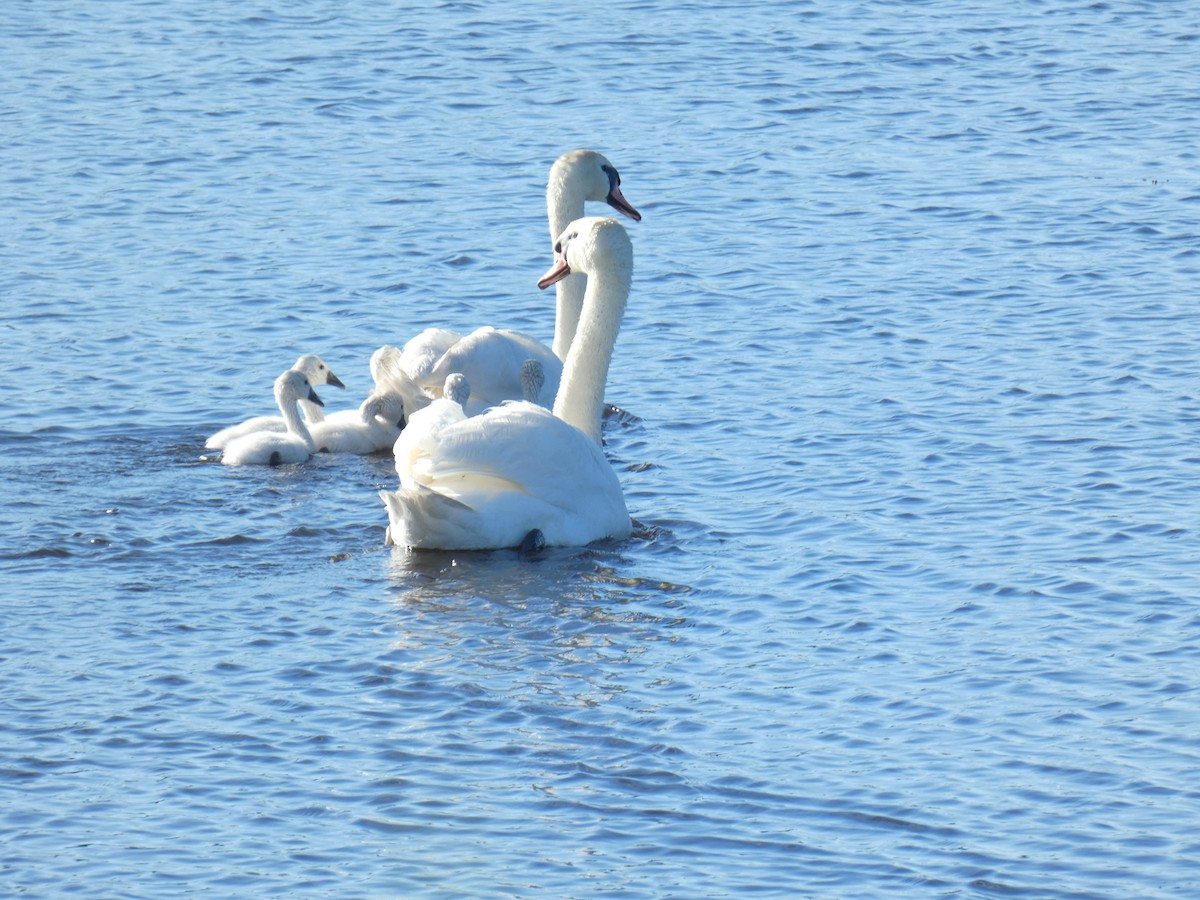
(909, 420)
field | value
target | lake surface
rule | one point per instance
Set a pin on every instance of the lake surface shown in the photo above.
(909, 428)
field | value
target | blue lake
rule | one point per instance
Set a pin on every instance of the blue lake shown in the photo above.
(909, 419)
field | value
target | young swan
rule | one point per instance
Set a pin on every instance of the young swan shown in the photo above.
(490, 481)
(318, 373)
(275, 448)
(372, 427)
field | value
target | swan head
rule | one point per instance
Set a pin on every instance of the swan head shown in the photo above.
(457, 388)
(294, 385)
(388, 406)
(316, 370)
(589, 245)
(587, 175)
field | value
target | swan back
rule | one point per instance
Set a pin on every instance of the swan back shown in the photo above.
(491, 360)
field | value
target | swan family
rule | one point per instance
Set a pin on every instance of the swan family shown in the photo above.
(495, 435)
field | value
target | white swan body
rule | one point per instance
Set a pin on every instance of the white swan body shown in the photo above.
(492, 360)
(274, 448)
(371, 428)
(487, 481)
(318, 373)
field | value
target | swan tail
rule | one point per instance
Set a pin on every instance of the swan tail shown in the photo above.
(421, 517)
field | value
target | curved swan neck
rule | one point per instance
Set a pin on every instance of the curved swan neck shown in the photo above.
(580, 399)
(288, 407)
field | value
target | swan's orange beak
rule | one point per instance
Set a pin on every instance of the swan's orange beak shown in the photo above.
(558, 272)
(617, 201)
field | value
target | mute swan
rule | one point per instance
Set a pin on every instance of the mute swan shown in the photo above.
(489, 481)
(318, 373)
(491, 358)
(373, 427)
(274, 448)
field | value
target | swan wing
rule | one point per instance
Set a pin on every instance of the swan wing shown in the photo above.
(491, 359)
(259, 423)
(487, 481)
(422, 352)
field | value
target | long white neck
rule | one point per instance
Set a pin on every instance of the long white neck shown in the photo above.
(564, 204)
(291, 417)
(580, 398)
(312, 412)
(568, 303)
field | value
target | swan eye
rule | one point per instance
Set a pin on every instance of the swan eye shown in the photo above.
(558, 246)
(613, 178)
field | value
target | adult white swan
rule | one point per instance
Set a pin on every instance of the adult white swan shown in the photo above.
(491, 358)
(318, 373)
(490, 481)
(275, 448)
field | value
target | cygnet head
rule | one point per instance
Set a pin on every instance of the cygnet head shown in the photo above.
(457, 388)
(588, 245)
(387, 406)
(316, 370)
(533, 378)
(294, 385)
(587, 175)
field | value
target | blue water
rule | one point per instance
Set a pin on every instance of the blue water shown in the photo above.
(910, 434)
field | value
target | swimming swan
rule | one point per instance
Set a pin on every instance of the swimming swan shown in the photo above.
(274, 448)
(488, 481)
(318, 373)
(372, 427)
(491, 358)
